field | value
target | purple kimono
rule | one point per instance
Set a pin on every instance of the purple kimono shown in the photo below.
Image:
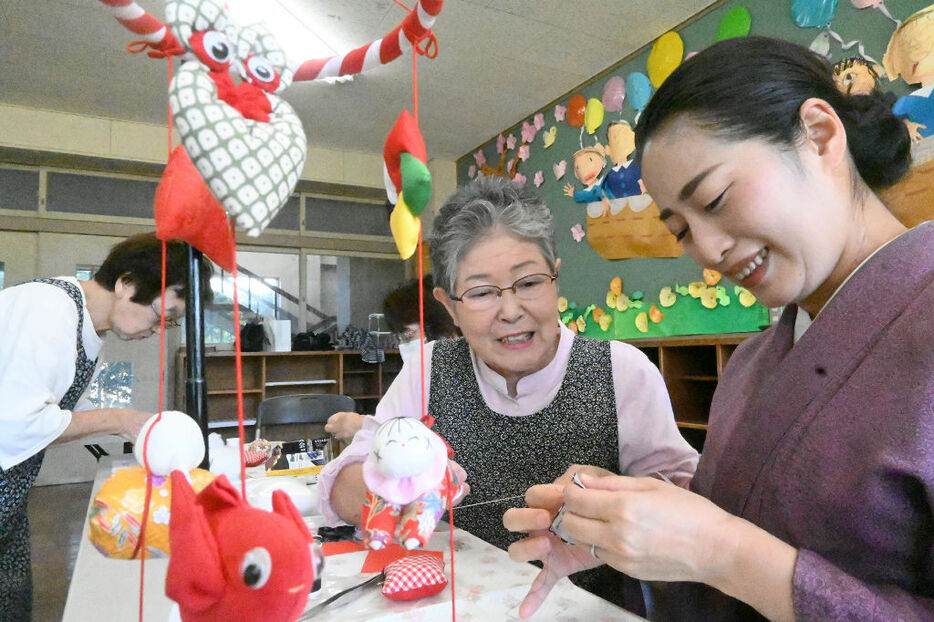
(829, 445)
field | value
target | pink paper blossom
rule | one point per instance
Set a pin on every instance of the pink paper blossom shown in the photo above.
(519, 179)
(559, 168)
(511, 141)
(577, 232)
(472, 171)
(539, 178)
(500, 141)
(528, 132)
(538, 121)
(560, 112)
(523, 152)
(479, 157)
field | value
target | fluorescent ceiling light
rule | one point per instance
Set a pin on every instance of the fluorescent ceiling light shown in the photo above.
(298, 31)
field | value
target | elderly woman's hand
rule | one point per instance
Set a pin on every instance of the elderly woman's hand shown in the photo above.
(649, 529)
(560, 559)
(343, 425)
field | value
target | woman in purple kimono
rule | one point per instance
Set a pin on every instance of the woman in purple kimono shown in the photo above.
(814, 496)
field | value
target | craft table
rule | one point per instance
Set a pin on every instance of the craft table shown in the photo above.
(489, 585)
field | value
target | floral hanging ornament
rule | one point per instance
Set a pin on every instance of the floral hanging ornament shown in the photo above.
(408, 181)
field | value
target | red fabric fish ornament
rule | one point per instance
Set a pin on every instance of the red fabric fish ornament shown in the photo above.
(231, 561)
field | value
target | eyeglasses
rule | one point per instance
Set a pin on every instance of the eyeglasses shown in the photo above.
(170, 322)
(483, 297)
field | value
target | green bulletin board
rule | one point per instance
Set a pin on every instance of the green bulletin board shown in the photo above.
(585, 275)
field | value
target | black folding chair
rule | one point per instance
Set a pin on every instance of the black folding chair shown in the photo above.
(293, 416)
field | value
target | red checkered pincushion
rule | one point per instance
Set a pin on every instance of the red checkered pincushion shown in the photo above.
(254, 457)
(414, 577)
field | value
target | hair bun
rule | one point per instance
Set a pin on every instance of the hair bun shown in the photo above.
(878, 140)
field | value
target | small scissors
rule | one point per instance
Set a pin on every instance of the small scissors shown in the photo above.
(343, 597)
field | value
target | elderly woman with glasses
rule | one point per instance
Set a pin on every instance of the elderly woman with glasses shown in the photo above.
(519, 398)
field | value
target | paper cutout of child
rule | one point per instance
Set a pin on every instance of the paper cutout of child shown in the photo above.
(588, 164)
(910, 55)
(622, 185)
(857, 76)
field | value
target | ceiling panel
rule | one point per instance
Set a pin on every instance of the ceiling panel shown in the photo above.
(499, 61)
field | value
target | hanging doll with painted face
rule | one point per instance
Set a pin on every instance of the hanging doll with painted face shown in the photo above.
(588, 166)
(409, 484)
(910, 55)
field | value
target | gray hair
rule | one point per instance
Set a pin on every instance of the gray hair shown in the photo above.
(482, 206)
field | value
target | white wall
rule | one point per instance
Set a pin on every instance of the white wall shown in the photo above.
(45, 130)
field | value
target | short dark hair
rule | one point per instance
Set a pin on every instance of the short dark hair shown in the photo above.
(138, 260)
(401, 309)
(753, 87)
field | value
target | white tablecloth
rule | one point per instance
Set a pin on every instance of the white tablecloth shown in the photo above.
(489, 586)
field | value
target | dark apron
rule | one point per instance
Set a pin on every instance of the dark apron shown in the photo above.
(15, 482)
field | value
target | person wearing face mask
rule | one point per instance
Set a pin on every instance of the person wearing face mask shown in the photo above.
(51, 333)
(400, 308)
(814, 494)
(519, 398)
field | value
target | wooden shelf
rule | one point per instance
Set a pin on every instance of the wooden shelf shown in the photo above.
(234, 391)
(296, 383)
(691, 367)
(273, 374)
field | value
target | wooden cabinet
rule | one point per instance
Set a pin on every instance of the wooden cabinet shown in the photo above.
(270, 374)
(691, 367)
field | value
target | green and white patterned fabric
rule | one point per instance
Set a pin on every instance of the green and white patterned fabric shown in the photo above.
(250, 166)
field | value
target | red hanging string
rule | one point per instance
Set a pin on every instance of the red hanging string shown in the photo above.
(416, 50)
(238, 358)
(141, 542)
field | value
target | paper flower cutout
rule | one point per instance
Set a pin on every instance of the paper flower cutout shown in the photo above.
(510, 163)
(528, 132)
(472, 171)
(539, 179)
(548, 138)
(560, 111)
(479, 157)
(538, 121)
(511, 141)
(519, 179)
(523, 152)
(559, 168)
(577, 232)
(500, 142)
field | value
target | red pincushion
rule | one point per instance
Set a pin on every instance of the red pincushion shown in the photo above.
(414, 577)
(254, 457)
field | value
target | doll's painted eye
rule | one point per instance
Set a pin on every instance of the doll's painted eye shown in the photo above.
(212, 48)
(256, 568)
(217, 46)
(261, 69)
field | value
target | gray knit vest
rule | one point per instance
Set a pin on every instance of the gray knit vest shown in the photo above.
(505, 455)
